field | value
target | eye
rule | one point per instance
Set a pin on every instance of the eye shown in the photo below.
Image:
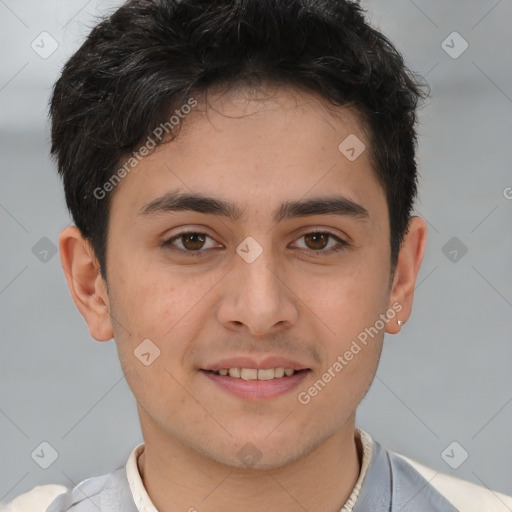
(191, 242)
(322, 242)
(194, 243)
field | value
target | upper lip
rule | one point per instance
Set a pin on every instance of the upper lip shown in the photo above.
(262, 364)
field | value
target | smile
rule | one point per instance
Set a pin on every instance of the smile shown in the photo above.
(255, 374)
(256, 384)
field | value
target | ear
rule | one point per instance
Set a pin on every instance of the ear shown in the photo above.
(87, 287)
(406, 272)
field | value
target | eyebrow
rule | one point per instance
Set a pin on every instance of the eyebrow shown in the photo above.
(174, 202)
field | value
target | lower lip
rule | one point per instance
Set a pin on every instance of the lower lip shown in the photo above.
(257, 389)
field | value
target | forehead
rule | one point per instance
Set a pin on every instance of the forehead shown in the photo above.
(270, 110)
(257, 143)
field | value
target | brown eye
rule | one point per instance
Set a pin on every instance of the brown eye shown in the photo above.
(193, 241)
(321, 243)
(317, 241)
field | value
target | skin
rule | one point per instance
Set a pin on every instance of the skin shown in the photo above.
(256, 148)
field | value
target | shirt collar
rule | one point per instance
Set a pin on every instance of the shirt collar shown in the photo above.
(140, 496)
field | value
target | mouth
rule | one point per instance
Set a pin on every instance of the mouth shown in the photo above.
(256, 384)
(256, 374)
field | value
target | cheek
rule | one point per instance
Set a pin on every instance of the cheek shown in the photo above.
(151, 299)
(348, 299)
(160, 306)
(347, 307)
(345, 377)
(153, 324)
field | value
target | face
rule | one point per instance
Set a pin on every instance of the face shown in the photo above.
(283, 264)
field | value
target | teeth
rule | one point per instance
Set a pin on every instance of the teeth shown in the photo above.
(278, 373)
(234, 372)
(248, 374)
(266, 374)
(254, 374)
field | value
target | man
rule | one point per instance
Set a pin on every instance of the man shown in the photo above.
(242, 175)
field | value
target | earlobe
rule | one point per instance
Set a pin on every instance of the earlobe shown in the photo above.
(87, 287)
(406, 272)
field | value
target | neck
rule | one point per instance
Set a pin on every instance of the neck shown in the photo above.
(178, 478)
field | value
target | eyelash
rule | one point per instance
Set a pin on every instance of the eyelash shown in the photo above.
(342, 244)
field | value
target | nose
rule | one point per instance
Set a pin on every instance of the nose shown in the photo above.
(257, 297)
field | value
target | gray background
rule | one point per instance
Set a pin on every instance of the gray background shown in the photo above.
(445, 378)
